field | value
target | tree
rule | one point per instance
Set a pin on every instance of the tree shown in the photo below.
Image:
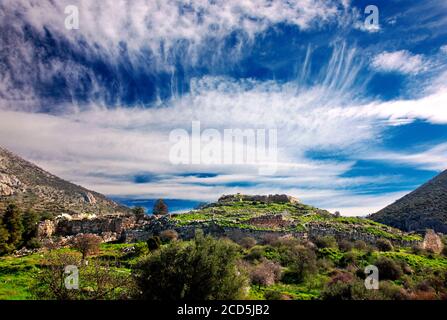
(202, 269)
(301, 261)
(30, 221)
(12, 221)
(265, 273)
(87, 244)
(4, 237)
(139, 212)
(384, 245)
(160, 208)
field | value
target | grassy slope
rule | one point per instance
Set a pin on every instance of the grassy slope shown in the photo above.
(236, 214)
(17, 273)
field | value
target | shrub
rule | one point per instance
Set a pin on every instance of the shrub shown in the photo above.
(444, 251)
(95, 281)
(153, 243)
(345, 245)
(325, 242)
(266, 273)
(168, 236)
(247, 242)
(300, 260)
(269, 239)
(417, 249)
(388, 269)
(274, 295)
(360, 245)
(201, 269)
(349, 258)
(139, 212)
(255, 254)
(87, 244)
(384, 245)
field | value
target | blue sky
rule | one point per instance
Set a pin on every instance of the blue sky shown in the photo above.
(361, 113)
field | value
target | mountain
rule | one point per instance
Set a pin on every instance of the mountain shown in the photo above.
(29, 186)
(424, 208)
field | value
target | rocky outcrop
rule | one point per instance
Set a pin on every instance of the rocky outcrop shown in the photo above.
(9, 184)
(33, 188)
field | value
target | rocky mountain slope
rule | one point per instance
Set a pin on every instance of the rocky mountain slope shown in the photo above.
(424, 208)
(29, 186)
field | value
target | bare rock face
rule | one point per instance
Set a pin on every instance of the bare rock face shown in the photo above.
(432, 242)
(89, 198)
(8, 184)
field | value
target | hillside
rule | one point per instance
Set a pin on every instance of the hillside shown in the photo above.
(29, 186)
(424, 208)
(236, 216)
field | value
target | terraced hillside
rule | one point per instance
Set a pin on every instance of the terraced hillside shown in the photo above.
(286, 217)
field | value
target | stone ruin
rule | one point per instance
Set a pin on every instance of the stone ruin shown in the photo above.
(270, 221)
(275, 198)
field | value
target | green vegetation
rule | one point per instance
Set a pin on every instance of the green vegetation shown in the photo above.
(17, 229)
(167, 267)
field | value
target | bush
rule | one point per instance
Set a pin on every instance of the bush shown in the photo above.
(349, 258)
(167, 236)
(95, 281)
(360, 245)
(139, 212)
(345, 245)
(266, 273)
(417, 249)
(201, 269)
(87, 244)
(325, 242)
(444, 251)
(384, 245)
(273, 295)
(247, 242)
(153, 243)
(301, 261)
(255, 254)
(388, 269)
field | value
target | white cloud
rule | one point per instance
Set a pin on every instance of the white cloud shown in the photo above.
(401, 61)
(103, 148)
(161, 26)
(443, 48)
